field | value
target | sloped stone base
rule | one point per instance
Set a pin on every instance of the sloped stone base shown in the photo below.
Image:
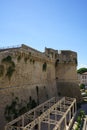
(69, 89)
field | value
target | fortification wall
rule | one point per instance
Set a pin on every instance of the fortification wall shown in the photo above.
(66, 72)
(69, 89)
(30, 71)
(24, 71)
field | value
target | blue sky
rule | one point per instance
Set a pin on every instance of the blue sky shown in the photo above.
(58, 24)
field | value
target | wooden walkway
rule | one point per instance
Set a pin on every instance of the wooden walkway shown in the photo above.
(54, 114)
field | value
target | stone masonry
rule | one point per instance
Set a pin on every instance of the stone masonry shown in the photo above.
(53, 71)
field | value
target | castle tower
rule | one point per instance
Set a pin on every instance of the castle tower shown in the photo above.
(66, 74)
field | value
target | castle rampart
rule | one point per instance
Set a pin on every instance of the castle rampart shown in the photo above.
(24, 69)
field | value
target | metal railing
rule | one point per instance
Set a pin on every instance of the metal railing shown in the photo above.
(10, 47)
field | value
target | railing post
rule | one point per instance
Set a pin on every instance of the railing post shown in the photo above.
(55, 115)
(60, 105)
(5, 127)
(34, 114)
(39, 125)
(73, 110)
(65, 123)
(75, 106)
(49, 121)
(69, 114)
(22, 121)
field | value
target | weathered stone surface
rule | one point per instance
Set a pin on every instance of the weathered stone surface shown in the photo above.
(69, 89)
(51, 71)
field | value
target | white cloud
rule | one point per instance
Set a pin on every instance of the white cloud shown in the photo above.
(81, 66)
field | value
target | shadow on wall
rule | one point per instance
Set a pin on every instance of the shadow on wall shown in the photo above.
(70, 90)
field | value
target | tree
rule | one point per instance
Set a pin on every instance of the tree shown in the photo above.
(81, 70)
(82, 86)
(82, 114)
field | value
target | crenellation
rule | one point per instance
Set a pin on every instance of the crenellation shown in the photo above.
(67, 56)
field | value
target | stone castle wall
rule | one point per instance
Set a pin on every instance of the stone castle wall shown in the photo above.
(48, 71)
(28, 74)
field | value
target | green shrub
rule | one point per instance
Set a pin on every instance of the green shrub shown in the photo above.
(11, 66)
(80, 119)
(81, 70)
(22, 110)
(33, 104)
(17, 108)
(82, 86)
(7, 59)
(10, 71)
(82, 113)
(77, 128)
(11, 111)
(1, 70)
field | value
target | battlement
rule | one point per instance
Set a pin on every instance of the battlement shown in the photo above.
(62, 56)
(51, 55)
(67, 57)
